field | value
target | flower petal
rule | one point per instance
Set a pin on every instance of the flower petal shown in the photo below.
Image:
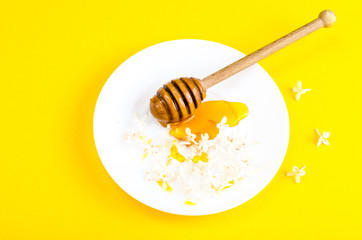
(304, 91)
(202, 138)
(325, 141)
(297, 96)
(326, 134)
(295, 89)
(297, 178)
(301, 173)
(164, 185)
(188, 131)
(205, 148)
(299, 84)
(291, 174)
(319, 142)
(295, 169)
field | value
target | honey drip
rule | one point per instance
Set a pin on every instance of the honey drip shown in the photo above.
(179, 157)
(207, 116)
(190, 203)
(205, 120)
(164, 185)
(175, 154)
(202, 157)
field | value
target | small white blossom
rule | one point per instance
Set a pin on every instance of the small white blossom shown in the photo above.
(323, 138)
(298, 89)
(227, 159)
(131, 136)
(222, 125)
(142, 121)
(190, 136)
(297, 173)
(203, 144)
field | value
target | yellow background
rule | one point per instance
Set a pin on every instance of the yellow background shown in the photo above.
(55, 58)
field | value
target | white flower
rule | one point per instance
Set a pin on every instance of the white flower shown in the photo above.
(227, 155)
(222, 125)
(323, 138)
(297, 173)
(159, 174)
(298, 89)
(150, 149)
(142, 121)
(236, 143)
(131, 135)
(203, 144)
(190, 137)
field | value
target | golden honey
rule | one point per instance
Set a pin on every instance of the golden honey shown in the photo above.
(207, 116)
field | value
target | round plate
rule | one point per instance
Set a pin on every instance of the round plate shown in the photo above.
(129, 89)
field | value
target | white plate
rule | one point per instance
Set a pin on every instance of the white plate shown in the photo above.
(135, 81)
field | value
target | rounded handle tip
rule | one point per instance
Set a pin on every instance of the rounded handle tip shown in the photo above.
(328, 17)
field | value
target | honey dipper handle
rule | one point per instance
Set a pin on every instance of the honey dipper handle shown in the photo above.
(325, 19)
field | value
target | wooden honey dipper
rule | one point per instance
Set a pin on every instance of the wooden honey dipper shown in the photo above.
(177, 100)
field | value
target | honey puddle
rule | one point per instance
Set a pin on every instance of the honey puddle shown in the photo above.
(205, 120)
(179, 157)
(207, 116)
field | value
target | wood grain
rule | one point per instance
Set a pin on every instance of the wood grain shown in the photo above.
(325, 19)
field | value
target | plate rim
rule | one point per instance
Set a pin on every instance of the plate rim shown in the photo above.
(177, 213)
